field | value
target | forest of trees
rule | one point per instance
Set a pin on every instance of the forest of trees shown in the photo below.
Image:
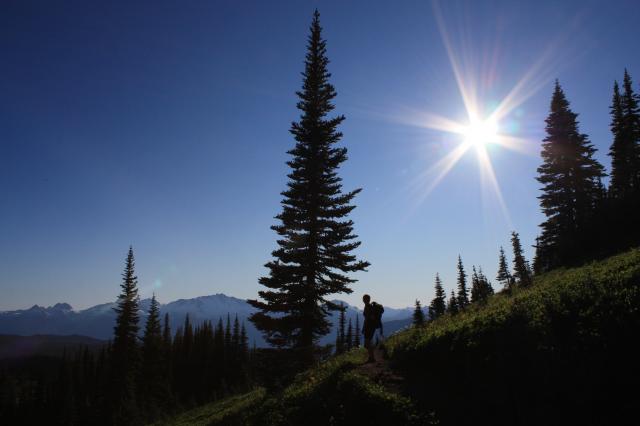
(584, 219)
(136, 378)
(481, 287)
(148, 371)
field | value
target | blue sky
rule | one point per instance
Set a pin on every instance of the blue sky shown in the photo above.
(165, 125)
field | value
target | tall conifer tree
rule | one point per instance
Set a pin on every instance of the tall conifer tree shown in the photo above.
(125, 357)
(463, 292)
(622, 149)
(452, 305)
(154, 387)
(476, 286)
(521, 269)
(316, 241)
(504, 276)
(418, 314)
(631, 129)
(622, 226)
(356, 334)
(571, 188)
(438, 305)
(340, 335)
(348, 339)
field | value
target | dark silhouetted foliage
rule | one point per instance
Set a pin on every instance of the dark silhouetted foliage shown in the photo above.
(463, 292)
(418, 315)
(315, 241)
(571, 190)
(438, 305)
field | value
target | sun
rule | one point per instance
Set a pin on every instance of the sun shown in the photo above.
(479, 133)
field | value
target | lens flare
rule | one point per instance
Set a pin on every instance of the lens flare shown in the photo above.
(481, 132)
(488, 124)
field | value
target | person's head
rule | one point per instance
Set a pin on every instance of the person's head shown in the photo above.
(366, 299)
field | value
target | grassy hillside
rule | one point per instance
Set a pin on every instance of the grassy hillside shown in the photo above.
(559, 352)
(331, 394)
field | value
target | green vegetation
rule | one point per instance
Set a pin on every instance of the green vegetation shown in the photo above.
(228, 411)
(560, 351)
(332, 393)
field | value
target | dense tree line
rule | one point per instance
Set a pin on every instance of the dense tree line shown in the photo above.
(584, 219)
(520, 275)
(136, 378)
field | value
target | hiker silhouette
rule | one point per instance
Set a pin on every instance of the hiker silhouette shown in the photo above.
(372, 321)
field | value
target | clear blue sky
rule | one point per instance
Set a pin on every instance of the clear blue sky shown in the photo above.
(165, 125)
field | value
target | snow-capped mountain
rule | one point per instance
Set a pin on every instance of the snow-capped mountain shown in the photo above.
(98, 321)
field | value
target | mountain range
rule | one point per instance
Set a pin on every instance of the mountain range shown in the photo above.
(98, 321)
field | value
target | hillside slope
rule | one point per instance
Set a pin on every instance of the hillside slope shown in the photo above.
(559, 352)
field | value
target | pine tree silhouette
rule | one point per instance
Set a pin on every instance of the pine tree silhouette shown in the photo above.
(438, 305)
(348, 340)
(622, 149)
(418, 315)
(463, 293)
(154, 389)
(504, 276)
(356, 333)
(486, 289)
(340, 338)
(631, 129)
(476, 286)
(125, 356)
(452, 304)
(521, 269)
(572, 187)
(315, 240)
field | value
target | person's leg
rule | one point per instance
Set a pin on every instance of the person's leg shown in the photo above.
(369, 345)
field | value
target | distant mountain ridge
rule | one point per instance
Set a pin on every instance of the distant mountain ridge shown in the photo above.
(98, 321)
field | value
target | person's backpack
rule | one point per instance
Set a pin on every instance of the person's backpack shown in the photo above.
(377, 311)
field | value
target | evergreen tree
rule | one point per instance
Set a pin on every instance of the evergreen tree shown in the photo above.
(218, 355)
(452, 305)
(235, 336)
(438, 305)
(227, 333)
(622, 149)
(418, 315)
(631, 129)
(244, 344)
(125, 355)
(315, 240)
(228, 351)
(463, 293)
(348, 340)
(621, 227)
(153, 386)
(476, 286)
(481, 288)
(166, 333)
(571, 188)
(504, 277)
(356, 334)
(521, 269)
(340, 342)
